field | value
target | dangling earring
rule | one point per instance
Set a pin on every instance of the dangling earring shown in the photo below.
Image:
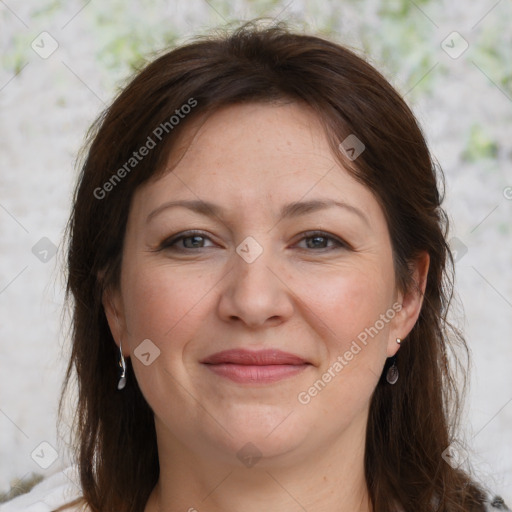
(122, 363)
(392, 373)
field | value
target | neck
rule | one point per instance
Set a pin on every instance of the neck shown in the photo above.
(330, 479)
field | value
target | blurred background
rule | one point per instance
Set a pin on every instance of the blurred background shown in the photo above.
(63, 62)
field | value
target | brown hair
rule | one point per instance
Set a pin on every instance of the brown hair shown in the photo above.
(411, 423)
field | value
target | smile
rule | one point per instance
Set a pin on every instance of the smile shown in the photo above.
(255, 367)
(256, 373)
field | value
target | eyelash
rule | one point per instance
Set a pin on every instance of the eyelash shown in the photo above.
(169, 243)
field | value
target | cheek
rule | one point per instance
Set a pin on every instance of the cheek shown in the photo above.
(349, 306)
(347, 300)
(163, 303)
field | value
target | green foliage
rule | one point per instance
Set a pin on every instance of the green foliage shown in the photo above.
(16, 54)
(400, 8)
(479, 145)
(493, 51)
(48, 8)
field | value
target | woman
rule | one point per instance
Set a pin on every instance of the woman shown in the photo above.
(260, 282)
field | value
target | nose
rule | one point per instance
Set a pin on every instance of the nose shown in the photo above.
(255, 293)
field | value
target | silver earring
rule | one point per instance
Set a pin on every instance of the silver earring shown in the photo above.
(392, 373)
(122, 363)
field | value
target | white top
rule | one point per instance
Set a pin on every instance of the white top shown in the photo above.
(63, 488)
(51, 493)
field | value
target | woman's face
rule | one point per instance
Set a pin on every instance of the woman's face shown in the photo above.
(288, 253)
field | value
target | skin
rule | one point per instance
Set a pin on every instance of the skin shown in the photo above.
(311, 297)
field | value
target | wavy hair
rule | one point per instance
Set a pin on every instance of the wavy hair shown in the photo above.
(410, 424)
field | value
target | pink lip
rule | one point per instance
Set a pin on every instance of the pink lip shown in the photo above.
(254, 358)
(261, 366)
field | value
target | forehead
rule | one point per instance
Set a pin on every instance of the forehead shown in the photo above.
(264, 131)
(252, 154)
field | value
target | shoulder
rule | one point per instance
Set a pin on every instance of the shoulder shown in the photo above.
(495, 503)
(491, 503)
(60, 491)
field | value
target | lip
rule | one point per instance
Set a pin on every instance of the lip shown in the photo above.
(254, 357)
(262, 366)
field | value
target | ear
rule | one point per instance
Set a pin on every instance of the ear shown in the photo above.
(411, 302)
(113, 306)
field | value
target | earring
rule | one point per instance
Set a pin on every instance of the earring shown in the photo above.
(122, 363)
(392, 373)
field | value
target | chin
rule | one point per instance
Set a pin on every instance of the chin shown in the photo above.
(267, 439)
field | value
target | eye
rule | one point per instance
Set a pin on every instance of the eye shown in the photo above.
(184, 241)
(320, 240)
(194, 239)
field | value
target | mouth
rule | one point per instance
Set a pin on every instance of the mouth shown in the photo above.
(252, 367)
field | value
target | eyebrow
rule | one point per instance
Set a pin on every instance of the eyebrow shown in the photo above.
(294, 209)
